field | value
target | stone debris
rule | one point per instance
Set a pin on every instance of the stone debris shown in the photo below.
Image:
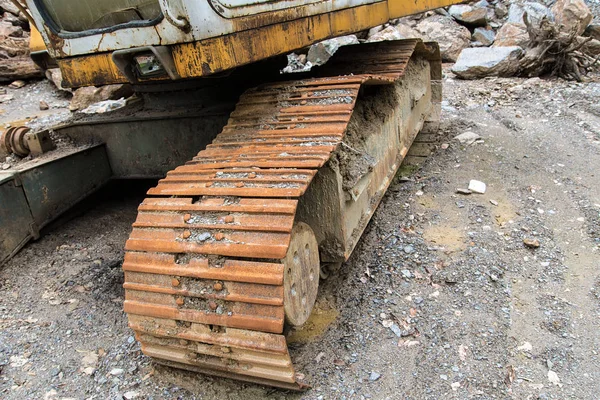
(531, 243)
(572, 15)
(476, 186)
(510, 30)
(86, 96)
(484, 36)
(467, 138)
(319, 53)
(451, 36)
(15, 63)
(511, 34)
(468, 15)
(475, 63)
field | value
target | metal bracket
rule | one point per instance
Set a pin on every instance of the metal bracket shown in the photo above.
(123, 59)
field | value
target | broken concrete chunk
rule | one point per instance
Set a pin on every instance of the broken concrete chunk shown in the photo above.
(480, 62)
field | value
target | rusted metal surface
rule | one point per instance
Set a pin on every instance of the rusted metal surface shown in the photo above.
(13, 140)
(38, 191)
(199, 293)
(20, 141)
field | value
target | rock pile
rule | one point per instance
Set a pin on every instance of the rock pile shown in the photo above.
(15, 62)
(490, 37)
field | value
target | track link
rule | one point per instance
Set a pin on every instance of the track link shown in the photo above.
(203, 271)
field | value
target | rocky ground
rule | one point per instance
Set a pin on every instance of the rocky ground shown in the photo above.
(442, 298)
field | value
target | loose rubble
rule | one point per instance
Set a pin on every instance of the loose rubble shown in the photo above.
(15, 62)
(521, 38)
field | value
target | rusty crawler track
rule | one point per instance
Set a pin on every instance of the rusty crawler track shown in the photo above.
(203, 272)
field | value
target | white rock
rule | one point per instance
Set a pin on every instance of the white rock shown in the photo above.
(477, 186)
(132, 394)
(117, 371)
(527, 347)
(554, 379)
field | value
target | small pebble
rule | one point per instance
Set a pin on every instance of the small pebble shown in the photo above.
(374, 376)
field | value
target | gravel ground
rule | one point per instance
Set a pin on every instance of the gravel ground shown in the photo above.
(441, 298)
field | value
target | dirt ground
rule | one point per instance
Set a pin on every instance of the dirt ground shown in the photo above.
(440, 300)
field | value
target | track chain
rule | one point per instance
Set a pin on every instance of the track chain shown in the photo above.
(203, 271)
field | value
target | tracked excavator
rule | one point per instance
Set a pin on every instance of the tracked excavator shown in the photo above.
(264, 176)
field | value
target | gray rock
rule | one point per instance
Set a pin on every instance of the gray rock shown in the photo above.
(467, 137)
(8, 6)
(476, 63)
(374, 376)
(535, 11)
(320, 53)
(451, 36)
(468, 15)
(485, 36)
(500, 10)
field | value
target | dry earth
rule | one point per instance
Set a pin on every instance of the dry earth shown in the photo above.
(479, 314)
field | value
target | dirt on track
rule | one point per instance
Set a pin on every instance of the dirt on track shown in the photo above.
(478, 313)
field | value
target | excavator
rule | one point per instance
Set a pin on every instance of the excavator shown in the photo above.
(264, 176)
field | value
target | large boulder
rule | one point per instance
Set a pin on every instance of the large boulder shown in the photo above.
(593, 31)
(468, 15)
(572, 15)
(320, 53)
(475, 63)
(451, 36)
(511, 34)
